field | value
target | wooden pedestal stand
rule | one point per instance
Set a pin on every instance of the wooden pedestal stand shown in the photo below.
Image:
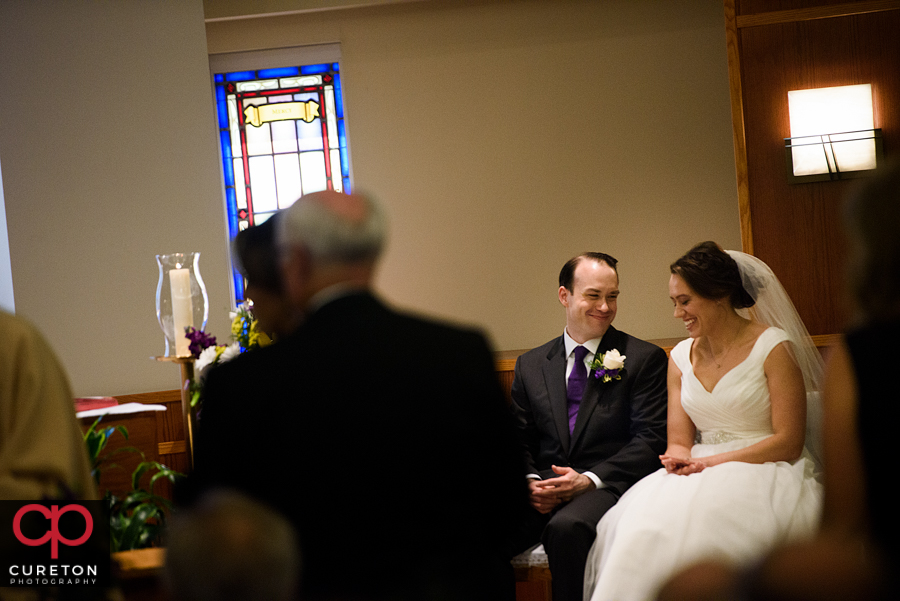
(187, 375)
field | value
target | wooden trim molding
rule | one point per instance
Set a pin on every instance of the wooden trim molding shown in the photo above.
(809, 14)
(506, 360)
(150, 398)
(732, 43)
(175, 446)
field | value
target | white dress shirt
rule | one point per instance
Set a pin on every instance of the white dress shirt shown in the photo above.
(592, 346)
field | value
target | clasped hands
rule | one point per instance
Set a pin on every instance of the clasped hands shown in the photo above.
(681, 466)
(545, 495)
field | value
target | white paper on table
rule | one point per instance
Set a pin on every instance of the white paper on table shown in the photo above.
(119, 409)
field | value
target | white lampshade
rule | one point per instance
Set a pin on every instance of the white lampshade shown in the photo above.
(832, 129)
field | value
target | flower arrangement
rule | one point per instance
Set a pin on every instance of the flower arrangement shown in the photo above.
(245, 334)
(245, 330)
(608, 366)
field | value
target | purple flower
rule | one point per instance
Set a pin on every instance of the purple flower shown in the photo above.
(200, 340)
(606, 374)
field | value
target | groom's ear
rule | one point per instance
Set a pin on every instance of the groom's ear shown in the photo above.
(564, 296)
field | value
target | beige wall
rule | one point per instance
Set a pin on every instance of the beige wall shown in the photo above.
(108, 154)
(506, 137)
(503, 136)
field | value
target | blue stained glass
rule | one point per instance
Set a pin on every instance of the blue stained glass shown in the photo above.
(225, 138)
(232, 206)
(345, 163)
(308, 138)
(227, 169)
(240, 76)
(239, 287)
(279, 72)
(232, 211)
(222, 110)
(338, 98)
(313, 69)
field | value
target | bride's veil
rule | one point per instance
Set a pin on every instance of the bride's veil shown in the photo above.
(774, 308)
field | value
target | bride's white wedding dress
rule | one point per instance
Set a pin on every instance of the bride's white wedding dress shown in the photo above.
(735, 511)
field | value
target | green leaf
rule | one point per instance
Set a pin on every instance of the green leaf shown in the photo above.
(132, 534)
(142, 468)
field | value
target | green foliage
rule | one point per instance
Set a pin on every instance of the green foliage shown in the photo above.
(138, 519)
(96, 440)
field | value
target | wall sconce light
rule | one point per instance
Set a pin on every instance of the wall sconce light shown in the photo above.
(833, 134)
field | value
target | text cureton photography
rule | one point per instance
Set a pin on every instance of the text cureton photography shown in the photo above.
(54, 543)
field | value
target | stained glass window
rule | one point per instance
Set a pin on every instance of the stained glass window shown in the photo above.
(282, 135)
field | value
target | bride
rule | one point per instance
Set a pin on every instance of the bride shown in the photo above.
(737, 478)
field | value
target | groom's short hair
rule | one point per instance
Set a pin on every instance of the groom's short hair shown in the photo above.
(567, 273)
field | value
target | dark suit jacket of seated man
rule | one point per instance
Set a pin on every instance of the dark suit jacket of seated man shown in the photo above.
(578, 471)
(386, 440)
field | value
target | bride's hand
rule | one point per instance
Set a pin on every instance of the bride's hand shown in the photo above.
(680, 465)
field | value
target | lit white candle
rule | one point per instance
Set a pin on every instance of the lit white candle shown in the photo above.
(182, 308)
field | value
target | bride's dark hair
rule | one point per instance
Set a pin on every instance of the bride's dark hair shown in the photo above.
(712, 274)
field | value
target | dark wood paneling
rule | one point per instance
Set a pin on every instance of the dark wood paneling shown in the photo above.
(796, 228)
(732, 45)
(808, 9)
(148, 432)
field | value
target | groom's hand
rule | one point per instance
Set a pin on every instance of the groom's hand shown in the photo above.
(569, 484)
(541, 496)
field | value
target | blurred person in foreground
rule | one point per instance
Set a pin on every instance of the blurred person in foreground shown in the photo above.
(42, 451)
(256, 256)
(862, 402)
(231, 548)
(382, 436)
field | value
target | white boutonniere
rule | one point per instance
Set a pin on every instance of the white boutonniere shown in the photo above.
(609, 365)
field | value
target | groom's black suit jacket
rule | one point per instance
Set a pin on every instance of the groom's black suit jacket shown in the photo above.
(386, 440)
(620, 430)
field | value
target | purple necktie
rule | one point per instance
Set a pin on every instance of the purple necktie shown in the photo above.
(577, 382)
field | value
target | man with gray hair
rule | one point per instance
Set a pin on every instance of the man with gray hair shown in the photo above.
(369, 420)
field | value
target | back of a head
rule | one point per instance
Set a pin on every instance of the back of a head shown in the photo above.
(335, 227)
(231, 548)
(256, 254)
(873, 221)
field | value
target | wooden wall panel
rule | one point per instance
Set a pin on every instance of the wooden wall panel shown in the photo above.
(796, 228)
(753, 7)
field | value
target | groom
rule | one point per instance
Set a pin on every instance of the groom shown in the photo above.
(587, 439)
